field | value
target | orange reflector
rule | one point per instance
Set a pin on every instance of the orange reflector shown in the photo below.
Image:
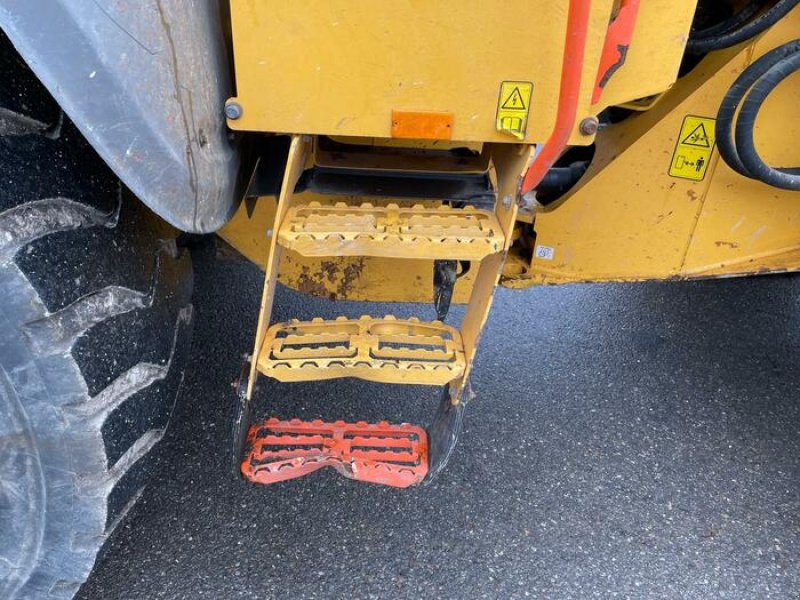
(422, 125)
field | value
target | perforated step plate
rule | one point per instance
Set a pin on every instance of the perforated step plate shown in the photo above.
(385, 350)
(395, 455)
(391, 231)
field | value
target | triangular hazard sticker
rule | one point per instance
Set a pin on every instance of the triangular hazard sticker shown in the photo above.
(514, 101)
(698, 137)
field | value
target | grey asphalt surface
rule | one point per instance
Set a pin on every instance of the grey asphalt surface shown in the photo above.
(626, 441)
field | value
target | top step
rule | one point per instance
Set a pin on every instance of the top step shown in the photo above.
(391, 231)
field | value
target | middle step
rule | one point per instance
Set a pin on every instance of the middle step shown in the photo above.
(387, 350)
(391, 231)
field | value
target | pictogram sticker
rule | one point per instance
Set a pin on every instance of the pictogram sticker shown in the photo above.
(513, 107)
(694, 148)
(698, 137)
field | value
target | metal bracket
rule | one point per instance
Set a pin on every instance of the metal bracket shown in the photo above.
(241, 421)
(445, 275)
(443, 432)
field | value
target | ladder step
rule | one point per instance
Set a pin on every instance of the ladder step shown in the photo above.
(395, 455)
(391, 231)
(387, 350)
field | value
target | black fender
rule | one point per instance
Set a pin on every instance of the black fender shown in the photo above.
(145, 81)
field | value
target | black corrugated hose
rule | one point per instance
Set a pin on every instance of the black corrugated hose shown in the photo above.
(740, 27)
(735, 133)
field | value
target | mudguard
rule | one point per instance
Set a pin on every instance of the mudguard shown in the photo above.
(145, 81)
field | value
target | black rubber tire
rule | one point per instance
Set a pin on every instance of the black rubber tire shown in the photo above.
(95, 321)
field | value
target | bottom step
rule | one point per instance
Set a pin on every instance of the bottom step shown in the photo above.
(395, 455)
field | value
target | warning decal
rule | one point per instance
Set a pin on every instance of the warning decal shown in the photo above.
(513, 107)
(694, 148)
(698, 137)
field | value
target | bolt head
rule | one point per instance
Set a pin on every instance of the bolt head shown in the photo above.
(589, 126)
(507, 200)
(527, 203)
(233, 110)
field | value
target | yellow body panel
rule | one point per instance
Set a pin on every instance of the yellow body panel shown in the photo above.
(652, 62)
(628, 219)
(631, 220)
(340, 67)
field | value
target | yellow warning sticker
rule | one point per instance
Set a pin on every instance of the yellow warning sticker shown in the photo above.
(694, 148)
(513, 107)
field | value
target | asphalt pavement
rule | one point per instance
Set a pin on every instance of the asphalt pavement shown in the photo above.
(625, 441)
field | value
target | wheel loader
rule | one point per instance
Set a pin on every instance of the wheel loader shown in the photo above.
(403, 152)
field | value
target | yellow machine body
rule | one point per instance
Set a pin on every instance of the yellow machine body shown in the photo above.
(628, 219)
(342, 67)
(634, 217)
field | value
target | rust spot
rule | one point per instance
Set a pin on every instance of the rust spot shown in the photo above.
(349, 277)
(311, 284)
(692, 195)
(720, 244)
(307, 285)
(333, 279)
(329, 269)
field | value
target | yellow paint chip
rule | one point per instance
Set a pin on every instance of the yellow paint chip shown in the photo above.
(694, 148)
(513, 107)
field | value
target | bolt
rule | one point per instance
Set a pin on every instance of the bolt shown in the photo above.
(589, 126)
(233, 110)
(507, 199)
(269, 233)
(527, 203)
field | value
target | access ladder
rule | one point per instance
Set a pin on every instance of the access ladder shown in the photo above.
(380, 349)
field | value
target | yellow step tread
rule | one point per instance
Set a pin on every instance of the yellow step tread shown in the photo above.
(386, 350)
(391, 231)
